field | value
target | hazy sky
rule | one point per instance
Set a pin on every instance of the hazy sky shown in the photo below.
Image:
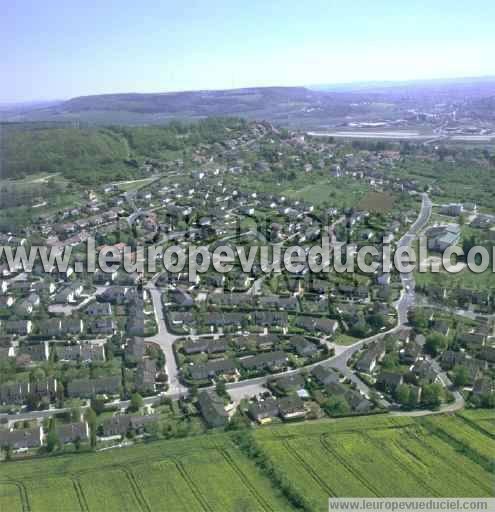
(55, 49)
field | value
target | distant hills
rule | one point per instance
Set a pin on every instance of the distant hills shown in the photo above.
(326, 105)
(472, 86)
(279, 104)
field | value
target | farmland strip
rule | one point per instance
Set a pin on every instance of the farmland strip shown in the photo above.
(341, 460)
(26, 506)
(476, 426)
(382, 446)
(136, 489)
(194, 489)
(80, 495)
(423, 440)
(264, 504)
(292, 451)
(475, 456)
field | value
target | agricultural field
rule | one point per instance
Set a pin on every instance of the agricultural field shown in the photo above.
(480, 420)
(383, 456)
(361, 456)
(11, 497)
(202, 474)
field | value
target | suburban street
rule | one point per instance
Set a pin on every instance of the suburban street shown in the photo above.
(250, 387)
(166, 341)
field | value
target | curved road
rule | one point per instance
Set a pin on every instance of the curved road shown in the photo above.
(249, 387)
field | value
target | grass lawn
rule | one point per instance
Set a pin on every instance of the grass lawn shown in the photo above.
(344, 339)
(340, 193)
(463, 279)
(132, 185)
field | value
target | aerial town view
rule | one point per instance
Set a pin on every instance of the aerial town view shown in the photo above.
(247, 257)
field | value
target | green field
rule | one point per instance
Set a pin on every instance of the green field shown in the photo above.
(361, 456)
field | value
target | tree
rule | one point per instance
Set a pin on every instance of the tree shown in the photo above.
(98, 405)
(402, 394)
(137, 402)
(336, 405)
(390, 360)
(52, 440)
(432, 395)
(436, 343)
(419, 319)
(75, 414)
(77, 444)
(469, 243)
(221, 389)
(90, 417)
(7, 449)
(488, 400)
(37, 375)
(461, 376)
(376, 320)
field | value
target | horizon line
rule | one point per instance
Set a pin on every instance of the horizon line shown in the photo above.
(363, 82)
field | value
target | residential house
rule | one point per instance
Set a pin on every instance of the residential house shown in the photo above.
(86, 352)
(14, 393)
(450, 358)
(324, 375)
(291, 408)
(121, 425)
(289, 383)
(373, 354)
(425, 372)
(317, 324)
(271, 318)
(88, 388)
(213, 369)
(72, 432)
(18, 327)
(271, 361)
(264, 410)
(472, 341)
(37, 352)
(488, 354)
(410, 353)
(303, 347)
(71, 326)
(99, 309)
(135, 348)
(389, 380)
(6, 302)
(22, 439)
(442, 237)
(483, 385)
(146, 375)
(103, 326)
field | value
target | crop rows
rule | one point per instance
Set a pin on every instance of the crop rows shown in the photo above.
(480, 420)
(465, 435)
(13, 498)
(368, 462)
(165, 487)
(288, 465)
(452, 472)
(434, 456)
(57, 494)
